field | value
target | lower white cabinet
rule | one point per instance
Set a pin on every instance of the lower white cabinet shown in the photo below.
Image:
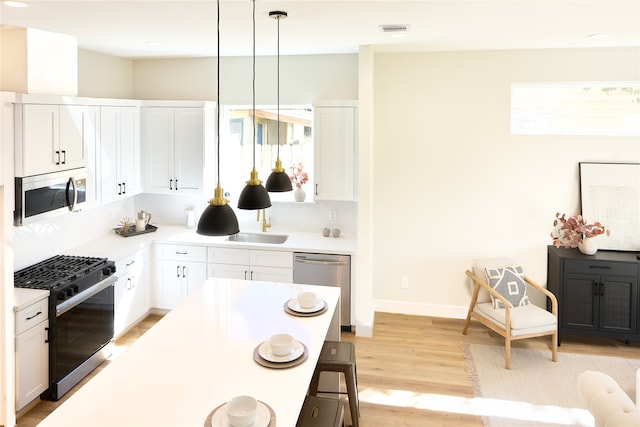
(250, 264)
(32, 352)
(132, 291)
(179, 270)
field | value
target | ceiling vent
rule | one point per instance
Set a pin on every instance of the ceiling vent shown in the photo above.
(394, 28)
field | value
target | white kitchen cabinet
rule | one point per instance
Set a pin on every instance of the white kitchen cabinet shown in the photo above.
(132, 291)
(120, 175)
(32, 352)
(335, 136)
(175, 140)
(250, 264)
(49, 138)
(180, 269)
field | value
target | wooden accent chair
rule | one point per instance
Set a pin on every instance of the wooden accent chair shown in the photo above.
(513, 323)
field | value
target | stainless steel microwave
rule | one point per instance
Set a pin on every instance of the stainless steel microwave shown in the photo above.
(41, 197)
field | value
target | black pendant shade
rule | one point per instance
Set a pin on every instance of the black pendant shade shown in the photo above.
(278, 181)
(254, 196)
(218, 219)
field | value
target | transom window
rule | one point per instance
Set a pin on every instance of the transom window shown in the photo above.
(576, 108)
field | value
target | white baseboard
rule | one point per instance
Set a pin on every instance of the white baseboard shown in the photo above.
(403, 307)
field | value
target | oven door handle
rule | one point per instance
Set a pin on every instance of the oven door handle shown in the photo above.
(84, 295)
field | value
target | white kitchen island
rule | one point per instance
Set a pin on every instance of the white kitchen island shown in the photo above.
(200, 355)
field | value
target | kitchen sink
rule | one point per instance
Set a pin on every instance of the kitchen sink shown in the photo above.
(273, 239)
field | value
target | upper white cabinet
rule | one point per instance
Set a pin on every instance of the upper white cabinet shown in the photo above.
(335, 136)
(120, 175)
(49, 138)
(175, 140)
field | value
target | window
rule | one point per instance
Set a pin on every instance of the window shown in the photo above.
(576, 108)
(236, 145)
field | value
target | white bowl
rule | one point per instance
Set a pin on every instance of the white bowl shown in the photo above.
(307, 299)
(281, 344)
(241, 411)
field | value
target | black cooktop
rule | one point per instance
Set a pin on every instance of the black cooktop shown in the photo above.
(61, 270)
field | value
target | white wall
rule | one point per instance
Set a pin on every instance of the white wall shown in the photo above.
(104, 76)
(462, 186)
(303, 79)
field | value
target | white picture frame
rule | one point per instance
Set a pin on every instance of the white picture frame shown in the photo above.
(610, 194)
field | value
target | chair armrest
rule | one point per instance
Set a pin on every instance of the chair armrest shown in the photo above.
(547, 292)
(481, 283)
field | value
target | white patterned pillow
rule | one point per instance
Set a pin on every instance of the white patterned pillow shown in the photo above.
(508, 282)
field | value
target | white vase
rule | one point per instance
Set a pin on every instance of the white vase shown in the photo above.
(588, 246)
(299, 194)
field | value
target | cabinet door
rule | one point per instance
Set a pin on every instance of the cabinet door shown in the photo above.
(194, 275)
(32, 364)
(73, 151)
(159, 149)
(189, 149)
(579, 308)
(129, 151)
(334, 142)
(40, 127)
(618, 304)
(110, 184)
(228, 271)
(170, 287)
(122, 303)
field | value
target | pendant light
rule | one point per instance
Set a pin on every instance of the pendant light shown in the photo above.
(278, 181)
(218, 219)
(254, 196)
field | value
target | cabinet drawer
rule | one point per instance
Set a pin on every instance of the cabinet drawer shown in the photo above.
(31, 315)
(272, 258)
(124, 265)
(182, 252)
(228, 256)
(601, 267)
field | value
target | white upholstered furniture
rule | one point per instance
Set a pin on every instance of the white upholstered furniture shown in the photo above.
(607, 401)
(513, 323)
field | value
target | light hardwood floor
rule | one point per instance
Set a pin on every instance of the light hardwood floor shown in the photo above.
(408, 359)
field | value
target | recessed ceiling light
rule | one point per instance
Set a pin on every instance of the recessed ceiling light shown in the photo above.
(15, 3)
(598, 36)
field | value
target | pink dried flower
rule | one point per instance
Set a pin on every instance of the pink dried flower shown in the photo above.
(574, 229)
(298, 176)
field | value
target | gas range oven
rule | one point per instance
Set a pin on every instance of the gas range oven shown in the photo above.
(81, 315)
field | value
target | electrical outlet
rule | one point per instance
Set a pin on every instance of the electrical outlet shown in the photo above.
(332, 215)
(404, 282)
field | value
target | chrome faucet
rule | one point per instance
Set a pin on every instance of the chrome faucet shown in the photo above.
(265, 224)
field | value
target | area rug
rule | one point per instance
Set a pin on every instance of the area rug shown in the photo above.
(537, 391)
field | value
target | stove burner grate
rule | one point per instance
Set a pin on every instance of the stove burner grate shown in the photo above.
(56, 271)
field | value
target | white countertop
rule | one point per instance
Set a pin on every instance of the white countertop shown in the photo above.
(116, 247)
(23, 298)
(199, 356)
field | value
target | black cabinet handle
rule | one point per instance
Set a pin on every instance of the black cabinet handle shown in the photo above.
(601, 289)
(58, 156)
(178, 271)
(176, 184)
(46, 340)
(596, 285)
(64, 157)
(600, 267)
(171, 184)
(34, 316)
(124, 188)
(119, 189)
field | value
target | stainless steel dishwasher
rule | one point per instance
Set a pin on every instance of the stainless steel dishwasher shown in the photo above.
(326, 270)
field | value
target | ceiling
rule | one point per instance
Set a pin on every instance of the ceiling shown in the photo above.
(186, 28)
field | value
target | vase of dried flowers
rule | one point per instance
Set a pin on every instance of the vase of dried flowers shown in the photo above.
(575, 232)
(299, 177)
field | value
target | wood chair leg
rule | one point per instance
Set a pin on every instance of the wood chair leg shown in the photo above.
(466, 323)
(554, 347)
(507, 353)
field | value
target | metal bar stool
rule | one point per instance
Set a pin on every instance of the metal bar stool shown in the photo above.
(321, 412)
(339, 356)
